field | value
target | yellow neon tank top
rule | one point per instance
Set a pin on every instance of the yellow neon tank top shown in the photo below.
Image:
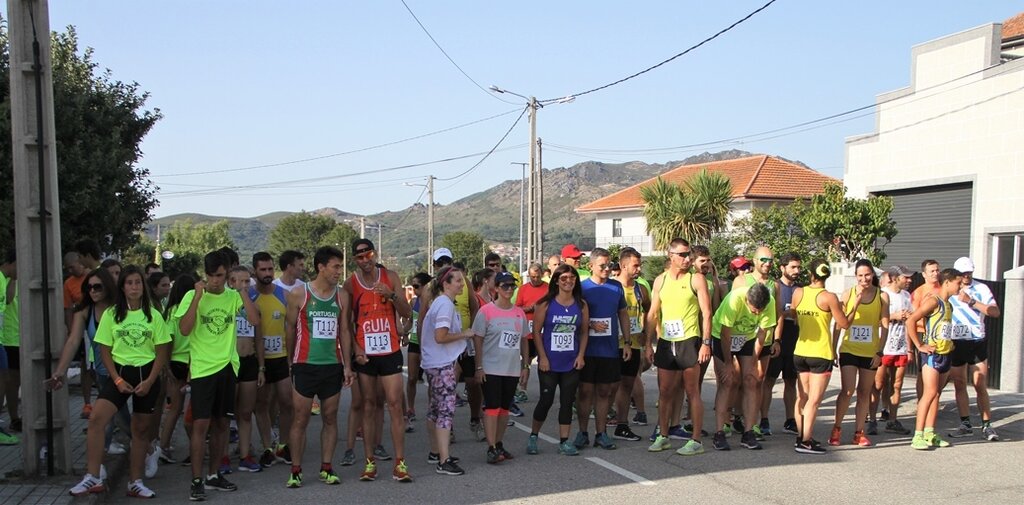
(680, 310)
(938, 325)
(815, 340)
(862, 337)
(636, 317)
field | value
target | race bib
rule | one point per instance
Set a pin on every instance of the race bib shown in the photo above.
(325, 327)
(607, 332)
(944, 331)
(960, 331)
(272, 344)
(896, 344)
(672, 329)
(738, 341)
(243, 329)
(563, 342)
(377, 343)
(529, 325)
(860, 334)
(508, 340)
(634, 326)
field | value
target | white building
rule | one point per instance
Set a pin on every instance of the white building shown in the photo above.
(949, 149)
(757, 182)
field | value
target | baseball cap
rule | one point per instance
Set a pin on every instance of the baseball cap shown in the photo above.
(739, 262)
(361, 242)
(504, 278)
(964, 264)
(442, 253)
(897, 270)
(571, 251)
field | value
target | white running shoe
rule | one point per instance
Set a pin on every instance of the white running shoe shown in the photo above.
(116, 449)
(153, 461)
(139, 490)
(89, 484)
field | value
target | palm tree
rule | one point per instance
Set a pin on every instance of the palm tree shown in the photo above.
(693, 211)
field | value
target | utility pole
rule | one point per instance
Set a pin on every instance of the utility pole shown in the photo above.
(156, 255)
(362, 227)
(522, 209)
(540, 202)
(37, 232)
(533, 215)
(430, 224)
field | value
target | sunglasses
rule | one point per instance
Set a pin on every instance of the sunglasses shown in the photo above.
(95, 287)
(415, 286)
(765, 259)
(567, 278)
(493, 265)
(507, 287)
(604, 266)
(680, 254)
(364, 254)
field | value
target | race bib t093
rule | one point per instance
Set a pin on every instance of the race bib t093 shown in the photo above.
(563, 342)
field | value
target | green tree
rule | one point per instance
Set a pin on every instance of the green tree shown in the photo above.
(100, 123)
(197, 238)
(724, 247)
(850, 228)
(141, 253)
(694, 210)
(306, 232)
(779, 227)
(467, 247)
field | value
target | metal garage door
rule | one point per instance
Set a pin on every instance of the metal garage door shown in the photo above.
(933, 222)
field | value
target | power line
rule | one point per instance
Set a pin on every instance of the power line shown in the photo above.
(648, 69)
(334, 155)
(398, 225)
(445, 53)
(493, 149)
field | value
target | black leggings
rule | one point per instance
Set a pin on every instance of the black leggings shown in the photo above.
(567, 382)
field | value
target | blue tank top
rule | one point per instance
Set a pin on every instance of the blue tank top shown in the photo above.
(561, 335)
(90, 331)
(786, 295)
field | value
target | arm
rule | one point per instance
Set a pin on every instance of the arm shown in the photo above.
(581, 330)
(836, 330)
(425, 299)
(291, 316)
(653, 318)
(163, 355)
(833, 305)
(474, 305)
(252, 312)
(108, 361)
(402, 307)
(539, 314)
(624, 334)
(345, 333)
(188, 321)
(987, 309)
(70, 346)
(884, 323)
(704, 300)
(925, 307)
(478, 344)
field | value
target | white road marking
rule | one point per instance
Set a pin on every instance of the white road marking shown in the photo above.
(621, 471)
(550, 440)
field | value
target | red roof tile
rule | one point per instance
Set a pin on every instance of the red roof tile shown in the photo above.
(1013, 27)
(754, 177)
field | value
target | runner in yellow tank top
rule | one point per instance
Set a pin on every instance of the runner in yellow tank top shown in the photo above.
(860, 352)
(638, 301)
(816, 308)
(933, 349)
(680, 318)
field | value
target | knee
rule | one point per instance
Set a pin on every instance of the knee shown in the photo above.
(751, 380)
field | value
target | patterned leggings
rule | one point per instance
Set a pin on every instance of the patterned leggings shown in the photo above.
(441, 410)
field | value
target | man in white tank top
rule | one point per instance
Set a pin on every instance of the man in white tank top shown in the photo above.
(895, 354)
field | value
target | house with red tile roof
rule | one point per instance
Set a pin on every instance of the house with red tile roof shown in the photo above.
(757, 182)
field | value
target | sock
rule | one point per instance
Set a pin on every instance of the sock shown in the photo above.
(499, 445)
(928, 431)
(493, 448)
(918, 434)
(296, 468)
(474, 419)
(326, 467)
(211, 476)
(563, 439)
(965, 419)
(533, 433)
(985, 422)
(764, 420)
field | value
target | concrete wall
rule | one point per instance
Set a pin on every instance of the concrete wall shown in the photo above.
(1012, 371)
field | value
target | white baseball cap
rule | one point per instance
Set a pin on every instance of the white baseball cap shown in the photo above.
(442, 253)
(964, 264)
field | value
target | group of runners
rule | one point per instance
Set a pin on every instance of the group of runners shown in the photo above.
(245, 345)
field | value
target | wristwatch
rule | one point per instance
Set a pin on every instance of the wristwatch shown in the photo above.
(263, 369)
(971, 302)
(706, 341)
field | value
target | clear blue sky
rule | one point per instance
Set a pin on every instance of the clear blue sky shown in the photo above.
(257, 82)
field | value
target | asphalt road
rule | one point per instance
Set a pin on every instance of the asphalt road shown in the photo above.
(973, 469)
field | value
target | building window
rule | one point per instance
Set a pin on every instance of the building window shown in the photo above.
(1007, 253)
(616, 227)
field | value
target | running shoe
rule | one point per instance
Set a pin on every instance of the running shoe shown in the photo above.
(612, 415)
(186, 461)
(460, 402)
(810, 447)
(963, 430)
(116, 449)
(15, 425)
(515, 411)
(727, 429)
(872, 428)
(989, 433)
(896, 426)
(477, 429)
(935, 440)
(691, 448)
(329, 477)
(884, 416)
(349, 458)
(860, 439)
(379, 453)
(267, 458)
(284, 455)
(249, 464)
(166, 457)
(737, 424)
(502, 452)
(688, 427)
(758, 434)
(603, 441)
(834, 438)
(410, 416)
(225, 465)
(152, 462)
(450, 467)
(197, 492)
(86, 411)
(294, 480)
(219, 483)
(640, 419)
(719, 442)
(622, 432)
(749, 440)
(401, 471)
(89, 484)
(790, 427)
(765, 428)
(521, 396)
(315, 408)
(493, 457)
(8, 439)
(660, 444)
(531, 445)
(568, 448)
(435, 458)
(233, 435)
(137, 489)
(369, 472)
(654, 434)
(919, 443)
(678, 433)
(582, 440)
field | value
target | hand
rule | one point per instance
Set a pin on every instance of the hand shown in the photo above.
(858, 291)
(468, 333)
(962, 296)
(54, 383)
(349, 377)
(599, 326)
(704, 355)
(124, 387)
(361, 359)
(261, 379)
(481, 377)
(199, 288)
(382, 290)
(926, 349)
(143, 388)
(649, 353)
(776, 348)
(524, 376)
(579, 363)
(543, 365)
(877, 360)
(627, 353)
(404, 339)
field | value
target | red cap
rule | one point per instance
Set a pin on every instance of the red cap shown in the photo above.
(739, 262)
(571, 251)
